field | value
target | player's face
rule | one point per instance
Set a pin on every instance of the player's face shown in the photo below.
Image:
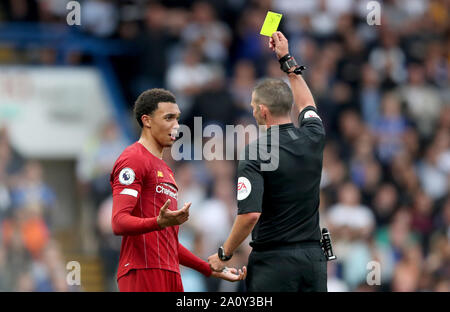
(256, 111)
(164, 123)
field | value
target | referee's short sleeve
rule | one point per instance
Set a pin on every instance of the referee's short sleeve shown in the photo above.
(250, 187)
(310, 121)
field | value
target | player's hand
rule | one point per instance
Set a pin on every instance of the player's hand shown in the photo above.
(231, 274)
(168, 217)
(215, 263)
(279, 44)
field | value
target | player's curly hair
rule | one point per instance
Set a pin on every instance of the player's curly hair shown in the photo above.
(148, 101)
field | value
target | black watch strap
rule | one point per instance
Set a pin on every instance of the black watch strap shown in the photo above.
(222, 256)
(287, 65)
(284, 58)
(288, 62)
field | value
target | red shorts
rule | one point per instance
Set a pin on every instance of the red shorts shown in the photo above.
(150, 280)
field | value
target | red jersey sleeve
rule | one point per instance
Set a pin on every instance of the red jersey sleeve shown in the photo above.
(126, 182)
(190, 260)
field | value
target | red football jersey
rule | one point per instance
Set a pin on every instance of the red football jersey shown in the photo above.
(146, 182)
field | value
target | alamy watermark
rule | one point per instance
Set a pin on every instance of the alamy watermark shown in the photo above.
(374, 15)
(73, 277)
(74, 16)
(262, 145)
(374, 275)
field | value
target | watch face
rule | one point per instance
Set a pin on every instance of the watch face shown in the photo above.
(285, 66)
(222, 255)
(291, 63)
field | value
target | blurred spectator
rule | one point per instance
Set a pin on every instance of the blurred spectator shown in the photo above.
(109, 244)
(252, 46)
(350, 128)
(189, 189)
(10, 160)
(20, 10)
(323, 21)
(422, 100)
(242, 84)
(153, 62)
(97, 159)
(351, 225)
(407, 272)
(388, 59)
(212, 221)
(348, 218)
(222, 110)
(385, 204)
(206, 32)
(434, 180)
(389, 128)
(422, 222)
(189, 78)
(335, 284)
(100, 17)
(392, 241)
(32, 193)
(362, 159)
(370, 95)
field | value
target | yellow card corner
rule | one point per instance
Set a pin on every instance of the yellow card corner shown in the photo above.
(271, 23)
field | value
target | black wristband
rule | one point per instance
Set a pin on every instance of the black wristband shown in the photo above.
(284, 58)
(287, 62)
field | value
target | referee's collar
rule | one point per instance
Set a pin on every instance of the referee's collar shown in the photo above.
(282, 126)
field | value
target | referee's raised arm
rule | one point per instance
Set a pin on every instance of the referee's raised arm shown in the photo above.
(302, 95)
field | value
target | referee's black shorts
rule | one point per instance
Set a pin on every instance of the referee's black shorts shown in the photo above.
(300, 267)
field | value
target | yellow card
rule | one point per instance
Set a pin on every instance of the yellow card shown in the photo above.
(271, 23)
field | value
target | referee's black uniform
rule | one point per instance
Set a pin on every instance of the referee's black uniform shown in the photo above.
(286, 253)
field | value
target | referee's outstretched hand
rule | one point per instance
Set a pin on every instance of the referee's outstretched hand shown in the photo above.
(168, 217)
(279, 44)
(231, 274)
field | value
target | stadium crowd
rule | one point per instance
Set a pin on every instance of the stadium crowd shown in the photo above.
(382, 92)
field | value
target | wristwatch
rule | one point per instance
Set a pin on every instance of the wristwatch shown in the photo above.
(288, 62)
(222, 256)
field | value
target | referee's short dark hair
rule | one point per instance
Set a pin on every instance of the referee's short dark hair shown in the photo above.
(275, 94)
(148, 101)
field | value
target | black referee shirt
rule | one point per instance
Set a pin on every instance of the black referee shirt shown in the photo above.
(287, 197)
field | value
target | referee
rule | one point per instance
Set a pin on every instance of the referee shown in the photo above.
(281, 207)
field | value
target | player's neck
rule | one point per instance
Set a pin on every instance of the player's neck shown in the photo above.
(151, 145)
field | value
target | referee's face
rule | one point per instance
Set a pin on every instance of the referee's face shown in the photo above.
(164, 123)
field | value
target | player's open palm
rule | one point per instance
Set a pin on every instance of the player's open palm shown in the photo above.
(231, 274)
(168, 217)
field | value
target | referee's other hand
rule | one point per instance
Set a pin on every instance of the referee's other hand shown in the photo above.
(231, 274)
(168, 217)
